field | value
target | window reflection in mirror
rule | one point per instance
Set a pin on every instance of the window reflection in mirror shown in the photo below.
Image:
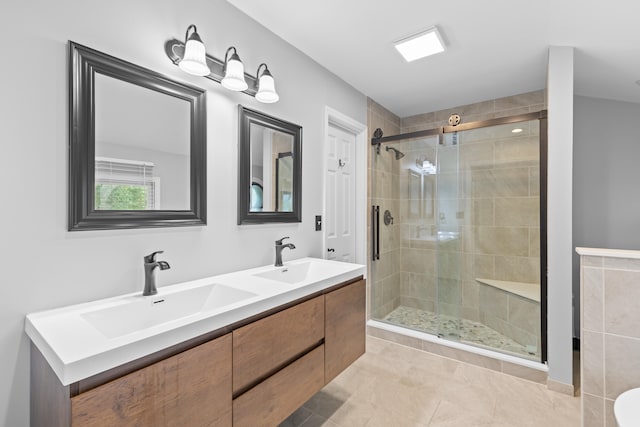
(142, 148)
(272, 166)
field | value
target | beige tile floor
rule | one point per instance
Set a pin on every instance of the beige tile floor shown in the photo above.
(397, 386)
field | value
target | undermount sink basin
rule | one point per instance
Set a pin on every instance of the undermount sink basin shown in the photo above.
(137, 313)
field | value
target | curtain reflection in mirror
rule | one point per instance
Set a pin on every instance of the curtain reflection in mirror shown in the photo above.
(284, 182)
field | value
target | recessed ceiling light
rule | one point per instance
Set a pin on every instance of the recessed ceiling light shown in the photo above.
(420, 45)
(517, 130)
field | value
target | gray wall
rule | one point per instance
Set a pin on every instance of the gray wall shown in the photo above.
(43, 265)
(606, 179)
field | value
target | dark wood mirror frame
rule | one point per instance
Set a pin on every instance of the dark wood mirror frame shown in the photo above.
(246, 118)
(84, 63)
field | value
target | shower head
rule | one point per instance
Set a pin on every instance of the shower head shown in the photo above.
(399, 154)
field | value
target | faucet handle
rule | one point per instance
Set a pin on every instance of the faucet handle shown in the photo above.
(152, 257)
(279, 242)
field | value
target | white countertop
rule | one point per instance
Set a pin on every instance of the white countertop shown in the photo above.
(76, 349)
(611, 253)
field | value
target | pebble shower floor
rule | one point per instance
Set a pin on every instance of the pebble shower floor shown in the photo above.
(449, 327)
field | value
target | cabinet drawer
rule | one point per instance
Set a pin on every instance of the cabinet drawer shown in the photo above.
(192, 388)
(273, 400)
(266, 345)
(345, 330)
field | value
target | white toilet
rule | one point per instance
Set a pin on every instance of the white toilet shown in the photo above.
(627, 408)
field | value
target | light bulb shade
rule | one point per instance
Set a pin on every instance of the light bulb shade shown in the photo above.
(194, 60)
(234, 74)
(267, 89)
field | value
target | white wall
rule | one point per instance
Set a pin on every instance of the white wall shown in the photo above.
(559, 195)
(43, 265)
(606, 206)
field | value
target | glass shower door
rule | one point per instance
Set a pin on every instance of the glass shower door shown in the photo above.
(449, 217)
(488, 261)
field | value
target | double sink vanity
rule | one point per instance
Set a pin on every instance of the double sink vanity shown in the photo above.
(245, 349)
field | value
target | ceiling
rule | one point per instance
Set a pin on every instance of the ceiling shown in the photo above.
(495, 48)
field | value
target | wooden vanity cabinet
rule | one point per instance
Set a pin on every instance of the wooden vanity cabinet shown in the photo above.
(273, 400)
(265, 346)
(337, 316)
(260, 372)
(345, 312)
(192, 388)
(278, 364)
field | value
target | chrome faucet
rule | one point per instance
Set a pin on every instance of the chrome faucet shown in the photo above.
(279, 247)
(150, 265)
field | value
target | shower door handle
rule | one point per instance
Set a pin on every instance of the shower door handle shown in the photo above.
(375, 232)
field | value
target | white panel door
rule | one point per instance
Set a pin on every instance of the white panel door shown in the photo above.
(340, 195)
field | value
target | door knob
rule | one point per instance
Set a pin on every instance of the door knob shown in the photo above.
(331, 250)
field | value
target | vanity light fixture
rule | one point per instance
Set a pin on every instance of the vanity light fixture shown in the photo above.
(190, 55)
(517, 130)
(266, 86)
(194, 61)
(419, 45)
(233, 72)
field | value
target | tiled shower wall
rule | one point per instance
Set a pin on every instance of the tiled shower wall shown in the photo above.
(385, 283)
(501, 227)
(499, 235)
(501, 107)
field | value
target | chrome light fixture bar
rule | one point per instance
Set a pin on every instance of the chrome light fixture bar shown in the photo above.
(190, 55)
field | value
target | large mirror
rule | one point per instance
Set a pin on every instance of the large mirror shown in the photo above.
(270, 165)
(137, 146)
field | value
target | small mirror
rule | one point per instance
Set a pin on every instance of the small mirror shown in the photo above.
(138, 146)
(270, 169)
